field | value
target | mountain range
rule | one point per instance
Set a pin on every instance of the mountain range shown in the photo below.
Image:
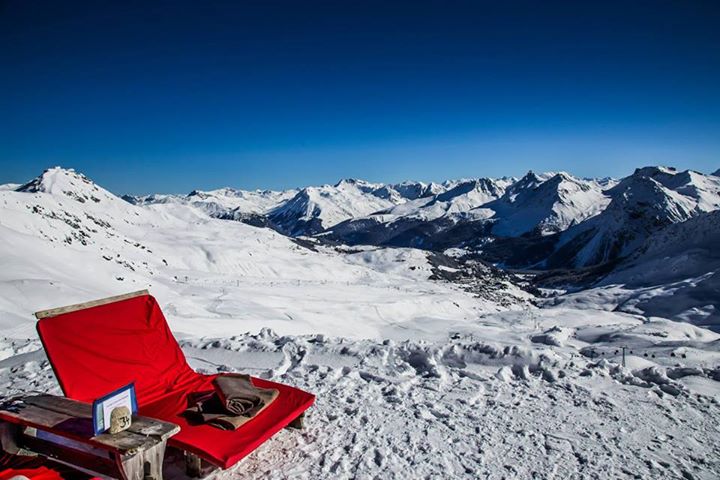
(644, 243)
(542, 221)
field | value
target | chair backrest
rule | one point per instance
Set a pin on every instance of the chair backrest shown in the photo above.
(99, 348)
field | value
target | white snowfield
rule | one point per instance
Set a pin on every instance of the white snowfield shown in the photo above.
(414, 378)
(223, 200)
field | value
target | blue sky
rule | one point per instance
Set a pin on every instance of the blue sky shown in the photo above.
(170, 96)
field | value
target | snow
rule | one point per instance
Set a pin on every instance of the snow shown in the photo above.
(644, 202)
(223, 201)
(673, 275)
(203, 270)
(470, 210)
(549, 205)
(415, 378)
(458, 408)
(314, 209)
(458, 197)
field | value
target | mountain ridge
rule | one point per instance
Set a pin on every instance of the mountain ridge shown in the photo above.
(541, 220)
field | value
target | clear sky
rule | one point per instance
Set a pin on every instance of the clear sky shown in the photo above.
(167, 96)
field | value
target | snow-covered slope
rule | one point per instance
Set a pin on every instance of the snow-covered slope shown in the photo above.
(65, 239)
(462, 197)
(546, 206)
(426, 222)
(644, 202)
(222, 202)
(675, 274)
(314, 209)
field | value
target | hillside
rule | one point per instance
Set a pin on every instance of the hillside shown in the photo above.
(675, 274)
(65, 238)
(546, 206)
(641, 204)
(402, 346)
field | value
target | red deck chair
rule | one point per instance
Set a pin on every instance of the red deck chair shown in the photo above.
(103, 345)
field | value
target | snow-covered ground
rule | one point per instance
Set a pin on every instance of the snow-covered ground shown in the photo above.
(414, 378)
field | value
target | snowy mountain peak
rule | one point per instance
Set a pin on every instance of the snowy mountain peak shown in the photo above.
(548, 204)
(642, 203)
(354, 183)
(198, 193)
(557, 179)
(485, 189)
(314, 209)
(702, 191)
(48, 181)
(716, 173)
(528, 181)
(530, 177)
(648, 197)
(412, 190)
(350, 181)
(603, 182)
(654, 170)
(67, 182)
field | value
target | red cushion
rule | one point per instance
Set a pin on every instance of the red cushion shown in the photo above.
(222, 447)
(36, 468)
(38, 473)
(99, 349)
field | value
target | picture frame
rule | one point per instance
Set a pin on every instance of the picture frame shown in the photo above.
(101, 407)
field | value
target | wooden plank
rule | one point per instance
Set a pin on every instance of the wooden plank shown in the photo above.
(193, 465)
(93, 303)
(298, 423)
(41, 418)
(145, 466)
(145, 426)
(77, 428)
(64, 405)
(104, 466)
(8, 438)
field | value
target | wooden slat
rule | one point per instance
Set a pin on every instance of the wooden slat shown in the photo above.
(82, 306)
(141, 425)
(79, 429)
(45, 419)
(60, 404)
(71, 456)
